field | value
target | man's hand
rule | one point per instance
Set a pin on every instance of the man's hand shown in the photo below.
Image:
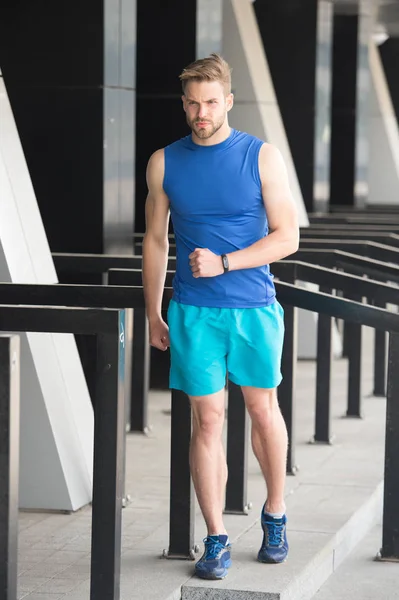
(205, 263)
(159, 335)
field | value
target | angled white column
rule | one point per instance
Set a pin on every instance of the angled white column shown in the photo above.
(56, 453)
(256, 109)
(384, 137)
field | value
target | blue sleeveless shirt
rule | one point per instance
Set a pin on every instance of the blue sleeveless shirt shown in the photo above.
(216, 203)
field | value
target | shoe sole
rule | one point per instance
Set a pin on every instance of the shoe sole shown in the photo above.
(272, 562)
(213, 576)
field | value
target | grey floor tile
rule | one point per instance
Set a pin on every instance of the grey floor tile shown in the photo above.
(58, 585)
(77, 572)
(43, 596)
(48, 570)
(28, 583)
(65, 557)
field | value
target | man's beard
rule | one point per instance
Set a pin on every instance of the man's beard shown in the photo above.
(209, 131)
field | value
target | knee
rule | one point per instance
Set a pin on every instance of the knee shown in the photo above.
(208, 424)
(263, 408)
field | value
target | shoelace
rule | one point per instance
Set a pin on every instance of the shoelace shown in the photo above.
(212, 548)
(275, 533)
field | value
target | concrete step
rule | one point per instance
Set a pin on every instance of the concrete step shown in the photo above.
(361, 576)
(337, 519)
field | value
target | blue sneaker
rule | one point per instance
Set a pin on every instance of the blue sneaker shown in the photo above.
(274, 547)
(216, 559)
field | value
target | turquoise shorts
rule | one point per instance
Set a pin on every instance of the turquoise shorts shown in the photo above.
(206, 344)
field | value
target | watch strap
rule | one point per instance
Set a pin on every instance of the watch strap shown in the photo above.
(225, 262)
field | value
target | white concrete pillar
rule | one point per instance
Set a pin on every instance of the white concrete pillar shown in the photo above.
(255, 110)
(384, 137)
(56, 451)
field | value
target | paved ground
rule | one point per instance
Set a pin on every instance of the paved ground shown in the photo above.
(54, 549)
(361, 576)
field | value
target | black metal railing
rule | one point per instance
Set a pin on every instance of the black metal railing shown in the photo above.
(331, 258)
(321, 239)
(108, 478)
(388, 321)
(354, 312)
(100, 264)
(365, 267)
(384, 225)
(376, 250)
(78, 267)
(388, 237)
(355, 288)
(181, 515)
(370, 209)
(357, 221)
(352, 286)
(181, 544)
(381, 251)
(372, 268)
(350, 254)
(9, 464)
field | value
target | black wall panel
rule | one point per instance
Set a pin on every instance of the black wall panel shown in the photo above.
(289, 33)
(390, 58)
(343, 119)
(166, 43)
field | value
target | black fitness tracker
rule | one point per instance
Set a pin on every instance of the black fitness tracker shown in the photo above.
(225, 262)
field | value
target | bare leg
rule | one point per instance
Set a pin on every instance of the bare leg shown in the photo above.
(269, 442)
(207, 458)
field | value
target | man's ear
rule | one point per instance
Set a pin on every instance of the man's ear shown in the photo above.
(183, 98)
(230, 101)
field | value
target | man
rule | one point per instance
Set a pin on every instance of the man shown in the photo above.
(225, 190)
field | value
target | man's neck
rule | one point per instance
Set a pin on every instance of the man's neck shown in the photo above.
(220, 136)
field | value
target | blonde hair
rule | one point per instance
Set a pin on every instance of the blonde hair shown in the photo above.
(211, 68)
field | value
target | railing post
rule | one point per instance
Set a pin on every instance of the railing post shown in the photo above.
(345, 339)
(237, 453)
(108, 475)
(9, 464)
(354, 341)
(380, 358)
(380, 363)
(323, 376)
(342, 324)
(390, 527)
(140, 372)
(182, 501)
(87, 348)
(286, 392)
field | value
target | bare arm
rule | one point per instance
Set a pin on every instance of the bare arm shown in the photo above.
(155, 244)
(283, 238)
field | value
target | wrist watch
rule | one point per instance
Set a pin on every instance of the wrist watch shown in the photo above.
(225, 262)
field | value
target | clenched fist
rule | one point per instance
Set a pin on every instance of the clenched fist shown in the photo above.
(159, 335)
(205, 263)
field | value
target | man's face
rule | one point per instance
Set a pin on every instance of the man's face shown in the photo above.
(206, 107)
